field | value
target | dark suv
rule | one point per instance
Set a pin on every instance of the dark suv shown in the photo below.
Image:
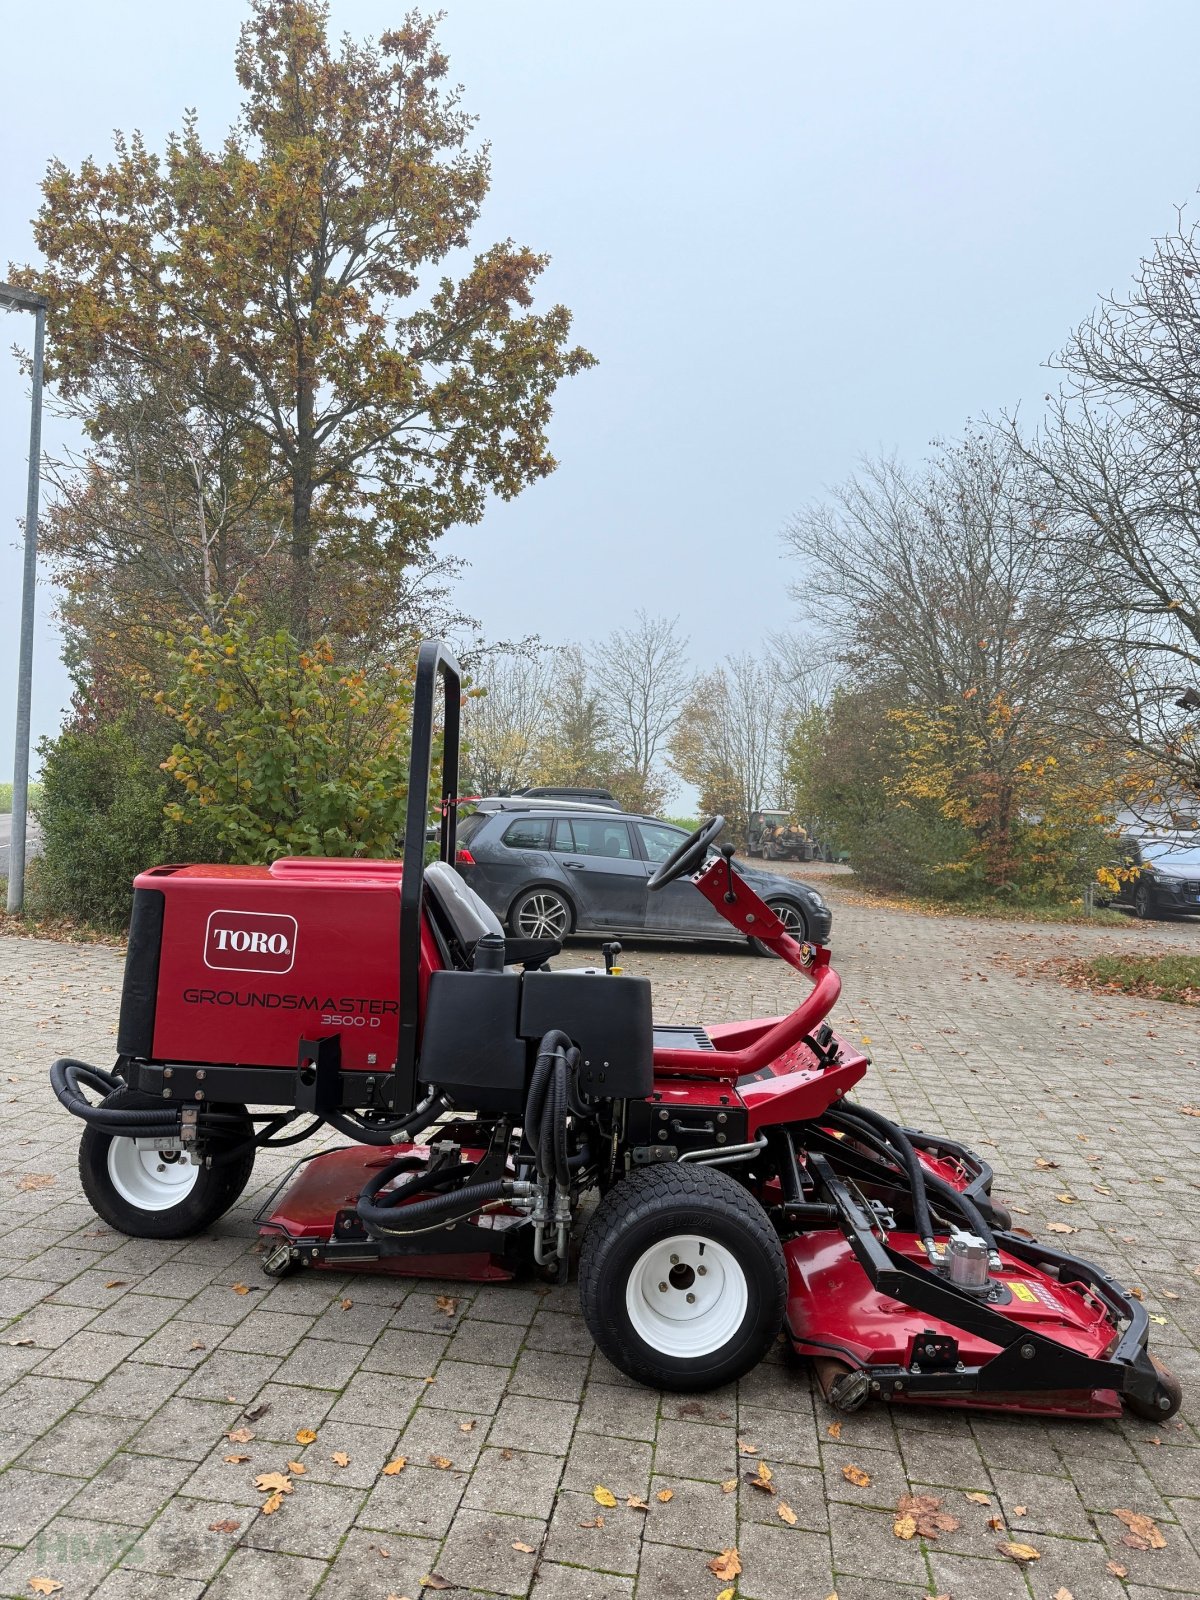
(1160, 875)
(548, 869)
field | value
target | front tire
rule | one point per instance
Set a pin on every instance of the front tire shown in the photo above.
(793, 919)
(682, 1279)
(158, 1194)
(1143, 905)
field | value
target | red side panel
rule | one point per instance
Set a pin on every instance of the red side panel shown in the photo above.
(254, 959)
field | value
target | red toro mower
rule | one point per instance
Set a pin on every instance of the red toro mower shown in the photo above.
(742, 1192)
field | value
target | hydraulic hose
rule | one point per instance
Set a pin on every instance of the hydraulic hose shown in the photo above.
(66, 1078)
(417, 1120)
(860, 1119)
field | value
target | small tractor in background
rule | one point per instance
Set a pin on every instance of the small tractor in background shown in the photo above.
(777, 836)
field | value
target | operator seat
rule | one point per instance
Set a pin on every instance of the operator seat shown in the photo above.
(464, 918)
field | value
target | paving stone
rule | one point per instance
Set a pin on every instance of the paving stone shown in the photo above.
(523, 1423)
(434, 1432)
(479, 1553)
(184, 1430)
(280, 1410)
(574, 1583)
(697, 1516)
(559, 1332)
(630, 1413)
(370, 1564)
(320, 1364)
(180, 1542)
(467, 1386)
(133, 1391)
(180, 1344)
(368, 1399)
(622, 1464)
(269, 1333)
(515, 1481)
(549, 1376)
(864, 1545)
(360, 1323)
(127, 1584)
(696, 1450)
(495, 1343)
(79, 1445)
(266, 1575)
(407, 1355)
(420, 1500)
(419, 1312)
(780, 1563)
(32, 1405)
(310, 1522)
(230, 1375)
(996, 1579)
(74, 1551)
(577, 1541)
(1049, 1505)
(28, 1500)
(369, 1450)
(803, 1489)
(130, 1489)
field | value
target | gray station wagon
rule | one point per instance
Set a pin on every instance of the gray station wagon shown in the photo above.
(549, 868)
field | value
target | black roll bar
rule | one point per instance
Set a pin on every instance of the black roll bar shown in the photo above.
(434, 661)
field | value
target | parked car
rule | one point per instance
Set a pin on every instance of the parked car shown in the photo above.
(549, 869)
(1167, 879)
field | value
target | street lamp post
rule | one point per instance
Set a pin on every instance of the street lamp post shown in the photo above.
(14, 299)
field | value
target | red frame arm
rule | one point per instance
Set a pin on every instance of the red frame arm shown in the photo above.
(727, 892)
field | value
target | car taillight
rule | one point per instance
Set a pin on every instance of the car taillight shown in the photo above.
(464, 858)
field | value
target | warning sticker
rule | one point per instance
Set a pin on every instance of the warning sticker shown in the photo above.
(1022, 1291)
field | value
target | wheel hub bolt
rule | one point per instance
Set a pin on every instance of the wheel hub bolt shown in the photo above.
(674, 1261)
(701, 1271)
(662, 1288)
(691, 1299)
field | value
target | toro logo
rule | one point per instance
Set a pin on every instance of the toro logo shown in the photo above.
(250, 941)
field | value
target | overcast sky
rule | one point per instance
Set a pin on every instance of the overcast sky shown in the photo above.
(792, 233)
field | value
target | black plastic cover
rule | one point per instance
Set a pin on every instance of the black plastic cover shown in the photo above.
(139, 992)
(610, 1020)
(471, 1045)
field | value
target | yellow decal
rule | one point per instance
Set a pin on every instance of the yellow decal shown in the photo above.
(1022, 1291)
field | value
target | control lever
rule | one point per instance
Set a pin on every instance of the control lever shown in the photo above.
(611, 951)
(727, 850)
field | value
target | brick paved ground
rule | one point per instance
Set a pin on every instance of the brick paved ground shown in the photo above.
(123, 1363)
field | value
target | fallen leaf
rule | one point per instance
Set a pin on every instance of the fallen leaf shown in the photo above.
(237, 1460)
(1062, 1227)
(725, 1594)
(446, 1304)
(1144, 1533)
(604, 1497)
(1020, 1511)
(834, 1430)
(596, 1522)
(761, 1478)
(785, 1513)
(297, 1468)
(525, 1549)
(927, 1516)
(1114, 1567)
(1066, 1199)
(728, 1485)
(434, 1580)
(1190, 1111)
(242, 1436)
(444, 1463)
(18, 1341)
(241, 1288)
(197, 1344)
(1137, 1293)
(747, 1449)
(979, 1498)
(1162, 1321)
(346, 1304)
(1062, 1594)
(1022, 1554)
(664, 1495)
(727, 1565)
(905, 1527)
(466, 1427)
(116, 1283)
(506, 1454)
(36, 1180)
(856, 1476)
(45, 1585)
(340, 1458)
(1043, 1165)
(634, 1504)
(271, 1505)
(996, 1524)
(277, 1482)
(228, 1526)
(259, 1411)
(305, 1436)
(393, 1467)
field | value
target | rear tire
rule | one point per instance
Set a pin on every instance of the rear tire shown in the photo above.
(682, 1278)
(153, 1194)
(541, 914)
(1168, 1397)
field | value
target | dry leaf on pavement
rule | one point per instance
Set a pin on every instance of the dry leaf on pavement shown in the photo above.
(1062, 1594)
(728, 1485)
(1116, 1569)
(272, 1504)
(340, 1458)
(834, 1430)
(604, 1497)
(664, 1495)
(747, 1449)
(727, 1565)
(228, 1526)
(525, 1549)
(393, 1467)
(596, 1522)
(926, 1514)
(434, 1580)
(1144, 1533)
(446, 1304)
(45, 1585)
(1022, 1554)
(241, 1288)
(785, 1513)
(761, 1479)
(304, 1436)
(346, 1304)
(1062, 1227)
(241, 1435)
(279, 1482)
(237, 1460)
(905, 1527)
(442, 1463)
(856, 1476)
(979, 1498)
(634, 1504)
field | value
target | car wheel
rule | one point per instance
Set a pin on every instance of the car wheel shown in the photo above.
(1143, 905)
(541, 914)
(682, 1280)
(794, 922)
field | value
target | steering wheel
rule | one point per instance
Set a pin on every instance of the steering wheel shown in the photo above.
(689, 855)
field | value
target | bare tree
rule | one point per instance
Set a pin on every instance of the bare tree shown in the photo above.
(643, 674)
(727, 739)
(505, 722)
(1118, 461)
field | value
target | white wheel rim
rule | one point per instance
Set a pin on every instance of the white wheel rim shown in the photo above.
(543, 916)
(151, 1180)
(686, 1296)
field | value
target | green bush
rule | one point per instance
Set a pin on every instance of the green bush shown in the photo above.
(103, 820)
